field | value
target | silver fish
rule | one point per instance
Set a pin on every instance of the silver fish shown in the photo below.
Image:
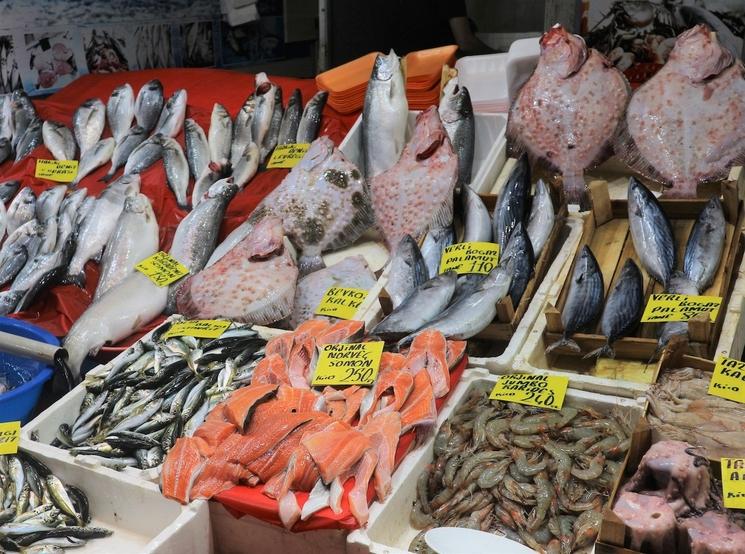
(220, 135)
(149, 104)
(310, 122)
(197, 148)
(651, 232)
(172, 117)
(94, 157)
(59, 140)
(120, 110)
(134, 239)
(27, 239)
(8, 190)
(6, 117)
(519, 255)
(407, 271)
(146, 154)
(623, 309)
(679, 284)
(584, 301)
(384, 116)
(272, 135)
(477, 225)
(434, 244)
(30, 139)
(38, 273)
(420, 307)
(88, 123)
(245, 167)
(6, 149)
(291, 119)
(705, 245)
(242, 127)
(49, 201)
(177, 171)
(512, 203)
(68, 213)
(124, 148)
(21, 209)
(202, 185)
(456, 113)
(542, 217)
(262, 117)
(23, 113)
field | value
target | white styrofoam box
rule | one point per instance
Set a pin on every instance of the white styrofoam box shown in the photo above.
(249, 534)
(565, 254)
(388, 530)
(732, 337)
(523, 58)
(488, 152)
(142, 520)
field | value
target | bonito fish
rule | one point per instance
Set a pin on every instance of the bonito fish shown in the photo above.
(705, 245)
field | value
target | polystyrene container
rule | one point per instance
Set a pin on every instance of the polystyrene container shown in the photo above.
(388, 530)
(25, 376)
(488, 155)
(732, 337)
(142, 520)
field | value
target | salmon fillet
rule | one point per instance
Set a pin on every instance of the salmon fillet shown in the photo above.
(181, 467)
(242, 403)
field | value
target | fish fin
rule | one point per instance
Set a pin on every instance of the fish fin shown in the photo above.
(575, 191)
(309, 264)
(443, 217)
(605, 351)
(566, 342)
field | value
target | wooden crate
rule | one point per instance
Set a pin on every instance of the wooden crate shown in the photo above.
(607, 233)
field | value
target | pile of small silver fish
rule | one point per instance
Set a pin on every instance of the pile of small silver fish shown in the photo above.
(158, 390)
(20, 126)
(652, 235)
(539, 477)
(39, 514)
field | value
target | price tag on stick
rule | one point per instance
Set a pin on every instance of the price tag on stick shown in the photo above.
(680, 307)
(542, 391)
(199, 328)
(728, 380)
(733, 483)
(341, 302)
(10, 435)
(287, 155)
(162, 269)
(470, 257)
(348, 364)
(62, 171)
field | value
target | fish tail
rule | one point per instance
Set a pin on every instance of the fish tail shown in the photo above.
(406, 341)
(109, 176)
(575, 191)
(564, 342)
(605, 351)
(309, 264)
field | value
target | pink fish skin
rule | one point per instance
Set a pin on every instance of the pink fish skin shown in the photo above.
(417, 192)
(568, 111)
(687, 122)
(254, 282)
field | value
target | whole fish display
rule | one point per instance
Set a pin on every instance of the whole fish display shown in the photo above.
(512, 203)
(684, 123)
(177, 171)
(144, 155)
(88, 123)
(518, 254)
(679, 283)
(42, 514)
(705, 245)
(245, 167)
(149, 104)
(220, 135)
(171, 119)
(402, 204)
(539, 477)
(59, 140)
(23, 114)
(291, 119)
(272, 135)
(29, 140)
(120, 110)
(384, 116)
(568, 111)
(21, 210)
(584, 302)
(253, 283)
(243, 126)
(265, 96)
(310, 121)
(456, 113)
(197, 148)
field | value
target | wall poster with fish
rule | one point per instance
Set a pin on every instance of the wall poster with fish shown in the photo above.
(108, 49)
(10, 76)
(153, 47)
(53, 59)
(638, 35)
(197, 41)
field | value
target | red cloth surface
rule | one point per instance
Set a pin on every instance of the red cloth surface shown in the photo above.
(244, 500)
(57, 309)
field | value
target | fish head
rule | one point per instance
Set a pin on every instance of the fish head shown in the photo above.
(153, 86)
(137, 203)
(456, 102)
(561, 52)
(224, 188)
(699, 55)
(137, 130)
(385, 67)
(429, 134)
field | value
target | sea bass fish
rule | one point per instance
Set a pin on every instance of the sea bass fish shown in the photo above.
(254, 282)
(177, 171)
(262, 118)
(59, 140)
(120, 110)
(172, 117)
(220, 135)
(149, 104)
(310, 122)
(402, 205)
(197, 148)
(351, 272)
(88, 123)
(291, 119)
(384, 115)
(456, 113)
(124, 148)
(97, 155)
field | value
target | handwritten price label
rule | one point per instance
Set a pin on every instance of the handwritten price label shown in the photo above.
(680, 307)
(61, 171)
(542, 391)
(348, 364)
(733, 483)
(287, 155)
(200, 328)
(728, 380)
(162, 269)
(341, 302)
(10, 434)
(470, 257)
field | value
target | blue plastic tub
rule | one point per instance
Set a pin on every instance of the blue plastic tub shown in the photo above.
(31, 375)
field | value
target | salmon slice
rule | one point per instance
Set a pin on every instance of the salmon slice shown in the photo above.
(341, 332)
(242, 403)
(181, 468)
(310, 329)
(289, 509)
(218, 476)
(302, 400)
(271, 370)
(336, 449)
(281, 346)
(391, 376)
(429, 351)
(419, 408)
(298, 368)
(384, 430)
(354, 400)
(300, 474)
(455, 351)
(336, 404)
(212, 433)
(264, 438)
(217, 413)
(358, 494)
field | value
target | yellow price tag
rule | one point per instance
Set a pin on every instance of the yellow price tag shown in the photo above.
(728, 380)
(543, 391)
(10, 435)
(470, 257)
(733, 483)
(680, 307)
(287, 155)
(341, 302)
(62, 171)
(200, 328)
(348, 364)
(162, 269)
